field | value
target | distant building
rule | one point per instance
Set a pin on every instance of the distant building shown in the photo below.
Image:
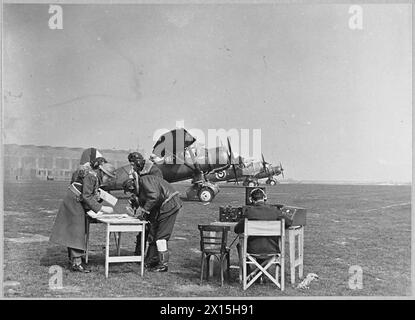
(29, 162)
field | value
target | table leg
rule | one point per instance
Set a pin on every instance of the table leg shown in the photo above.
(107, 251)
(143, 244)
(115, 239)
(291, 240)
(301, 251)
(282, 266)
(119, 244)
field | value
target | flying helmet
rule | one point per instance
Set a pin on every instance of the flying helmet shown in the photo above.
(137, 158)
(129, 186)
(108, 169)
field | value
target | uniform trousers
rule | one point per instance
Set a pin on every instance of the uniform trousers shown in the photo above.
(159, 230)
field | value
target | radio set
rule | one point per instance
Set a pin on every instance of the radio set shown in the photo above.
(230, 214)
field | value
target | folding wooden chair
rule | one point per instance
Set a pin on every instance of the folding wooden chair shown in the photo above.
(263, 228)
(213, 242)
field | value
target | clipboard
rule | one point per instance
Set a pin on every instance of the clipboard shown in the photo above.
(107, 197)
(76, 188)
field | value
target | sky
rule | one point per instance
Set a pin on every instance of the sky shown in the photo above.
(331, 102)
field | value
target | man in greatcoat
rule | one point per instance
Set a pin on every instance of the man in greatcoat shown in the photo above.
(69, 226)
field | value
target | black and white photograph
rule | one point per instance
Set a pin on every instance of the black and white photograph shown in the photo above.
(206, 150)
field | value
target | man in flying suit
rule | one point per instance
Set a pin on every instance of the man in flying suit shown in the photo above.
(160, 203)
(142, 167)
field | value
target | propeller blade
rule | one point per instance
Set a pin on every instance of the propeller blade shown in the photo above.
(282, 170)
(264, 163)
(232, 160)
(236, 175)
(231, 155)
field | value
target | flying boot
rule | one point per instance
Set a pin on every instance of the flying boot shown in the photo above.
(163, 265)
(163, 255)
(152, 258)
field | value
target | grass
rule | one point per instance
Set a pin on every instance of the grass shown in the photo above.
(368, 226)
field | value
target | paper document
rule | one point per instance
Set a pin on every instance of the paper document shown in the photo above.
(95, 215)
(114, 216)
(102, 215)
(107, 197)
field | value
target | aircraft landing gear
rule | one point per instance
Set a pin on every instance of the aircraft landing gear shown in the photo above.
(251, 182)
(202, 191)
(206, 194)
(271, 182)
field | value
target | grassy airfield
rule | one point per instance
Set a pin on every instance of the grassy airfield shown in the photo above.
(347, 225)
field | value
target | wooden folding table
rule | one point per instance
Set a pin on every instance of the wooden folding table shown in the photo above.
(117, 226)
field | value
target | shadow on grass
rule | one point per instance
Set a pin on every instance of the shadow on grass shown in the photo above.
(185, 199)
(55, 256)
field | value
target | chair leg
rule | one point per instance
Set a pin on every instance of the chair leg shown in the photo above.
(240, 263)
(207, 266)
(244, 280)
(211, 266)
(282, 273)
(228, 267)
(277, 274)
(202, 268)
(221, 270)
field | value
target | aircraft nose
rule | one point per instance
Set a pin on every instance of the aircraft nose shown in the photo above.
(277, 170)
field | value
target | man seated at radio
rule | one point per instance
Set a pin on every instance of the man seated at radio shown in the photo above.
(260, 210)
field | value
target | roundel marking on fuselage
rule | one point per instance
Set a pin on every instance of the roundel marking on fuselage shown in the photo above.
(221, 174)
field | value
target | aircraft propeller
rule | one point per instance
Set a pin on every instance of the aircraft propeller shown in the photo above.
(282, 170)
(232, 160)
(264, 163)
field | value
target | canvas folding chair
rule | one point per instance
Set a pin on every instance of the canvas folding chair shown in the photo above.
(213, 242)
(263, 228)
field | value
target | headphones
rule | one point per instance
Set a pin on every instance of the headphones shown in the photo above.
(254, 190)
